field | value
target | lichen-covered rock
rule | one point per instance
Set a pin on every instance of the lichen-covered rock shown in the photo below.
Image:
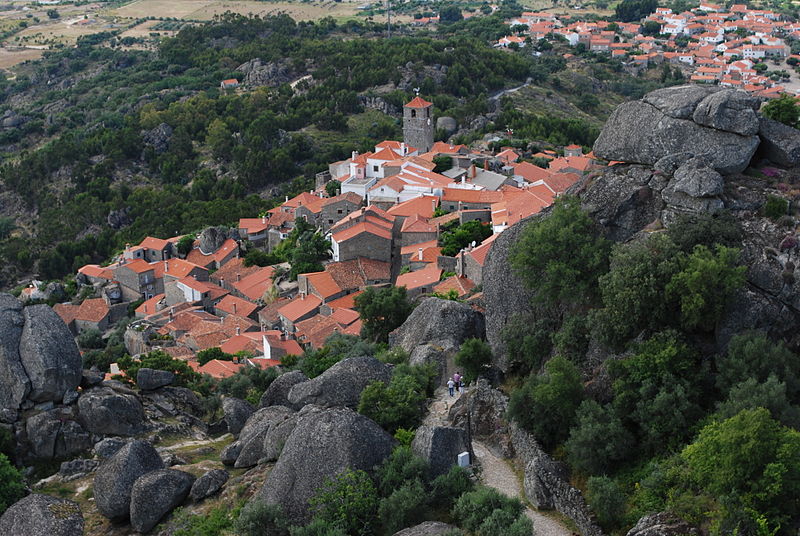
(277, 394)
(116, 476)
(91, 378)
(679, 102)
(236, 412)
(439, 446)
(109, 446)
(158, 138)
(779, 143)
(324, 443)
(42, 515)
(487, 407)
(72, 469)
(14, 383)
(662, 524)
(276, 436)
(208, 484)
(640, 132)
(212, 238)
(104, 411)
(251, 440)
(258, 73)
(156, 494)
(696, 178)
(729, 110)
(340, 385)
(428, 528)
(52, 434)
(150, 379)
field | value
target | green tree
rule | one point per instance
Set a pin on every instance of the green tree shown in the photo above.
(753, 355)
(401, 403)
(258, 518)
(706, 229)
(220, 139)
(545, 405)
(783, 109)
(160, 361)
(607, 501)
(454, 240)
(770, 394)
(348, 501)
(333, 187)
(598, 440)
(12, 485)
(382, 311)
(450, 13)
(443, 163)
(475, 507)
(474, 357)
(404, 507)
(312, 248)
(561, 256)
(752, 458)
(204, 356)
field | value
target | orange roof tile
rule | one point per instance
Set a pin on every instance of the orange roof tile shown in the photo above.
(150, 306)
(462, 285)
(423, 206)
(233, 305)
(93, 310)
(345, 302)
(232, 271)
(359, 228)
(220, 369)
(93, 270)
(177, 268)
(299, 307)
(418, 102)
(154, 243)
(425, 277)
(414, 248)
(345, 316)
(417, 224)
(138, 266)
(254, 285)
(324, 284)
(66, 311)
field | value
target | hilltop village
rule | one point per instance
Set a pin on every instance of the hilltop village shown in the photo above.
(711, 44)
(384, 212)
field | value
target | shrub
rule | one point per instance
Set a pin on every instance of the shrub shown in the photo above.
(528, 342)
(404, 507)
(12, 486)
(475, 507)
(318, 527)
(572, 340)
(348, 501)
(770, 394)
(753, 355)
(382, 311)
(446, 488)
(706, 229)
(401, 467)
(474, 357)
(204, 356)
(546, 404)
(258, 518)
(397, 405)
(91, 339)
(597, 440)
(404, 436)
(606, 500)
(775, 207)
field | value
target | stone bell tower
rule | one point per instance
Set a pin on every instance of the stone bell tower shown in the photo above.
(418, 124)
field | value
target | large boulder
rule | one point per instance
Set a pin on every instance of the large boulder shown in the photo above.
(52, 434)
(42, 515)
(439, 446)
(259, 73)
(212, 238)
(49, 354)
(435, 330)
(104, 411)
(277, 394)
(679, 102)
(156, 494)
(643, 132)
(340, 385)
(14, 382)
(150, 379)
(324, 443)
(236, 412)
(779, 143)
(208, 484)
(116, 476)
(486, 408)
(696, 178)
(662, 524)
(428, 528)
(247, 450)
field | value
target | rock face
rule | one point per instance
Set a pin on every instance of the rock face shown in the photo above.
(14, 383)
(42, 515)
(439, 446)
(259, 73)
(340, 385)
(277, 394)
(212, 238)
(428, 528)
(52, 434)
(662, 524)
(323, 444)
(104, 411)
(488, 409)
(116, 476)
(236, 412)
(149, 379)
(435, 330)
(248, 449)
(156, 494)
(158, 138)
(779, 143)
(718, 124)
(208, 484)
(696, 178)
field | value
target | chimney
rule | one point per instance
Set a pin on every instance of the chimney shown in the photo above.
(286, 199)
(302, 295)
(234, 311)
(464, 178)
(222, 282)
(403, 148)
(420, 253)
(171, 313)
(472, 170)
(264, 219)
(460, 206)
(461, 268)
(238, 277)
(166, 266)
(354, 155)
(486, 164)
(237, 329)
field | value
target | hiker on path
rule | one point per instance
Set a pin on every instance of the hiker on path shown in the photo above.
(457, 380)
(451, 385)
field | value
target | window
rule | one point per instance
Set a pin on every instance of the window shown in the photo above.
(375, 169)
(413, 113)
(330, 222)
(339, 211)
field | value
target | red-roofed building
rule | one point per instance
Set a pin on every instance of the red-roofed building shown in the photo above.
(255, 285)
(233, 272)
(461, 285)
(470, 263)
(216, 259)
(233, 305)
(320, 284)
(191, 290)
(423, 206)
(92, 274)
(220, 369)
(417, 229)
(300, 308)
(359, 273)
(365, 239)
(151, 306)
(420, 282)
(93, 313)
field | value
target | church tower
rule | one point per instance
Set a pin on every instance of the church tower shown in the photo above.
(418, 124)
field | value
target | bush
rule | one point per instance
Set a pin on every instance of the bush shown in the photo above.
(348, 501)
(382, 311)
(401, 404)
(160, 361)
(561, 256)
(446, 488)
(401, 467)
(475, 507)
(337, 348)
(546, 404)
(606, 500)
(474, 357)
(258, 518)
(529, 342)
(753, 355)
(572, 340)
(752, 394)
(91, 339)
(598, 440)
(505, 522)
(706, 229)
(775, 207)
(404, 507)
(12, 485)
(209, 354)
(404, 436)
(318, 527)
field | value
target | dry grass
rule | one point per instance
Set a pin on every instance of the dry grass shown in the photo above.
(207, 9)
(9, 57)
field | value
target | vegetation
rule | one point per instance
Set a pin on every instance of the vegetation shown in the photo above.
(382, 311)
(783, 109)
(455, 237)
(12, 485)
(401, 403)
(473, 356)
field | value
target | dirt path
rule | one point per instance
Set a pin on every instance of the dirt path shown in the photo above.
(495, 471)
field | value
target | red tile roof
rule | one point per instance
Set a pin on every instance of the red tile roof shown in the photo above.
(418, 102)
(425, 277)
(359, 228)
(154, 243)
(66, 311)
(233, 305)
(177, 268)
(150, 306)
(93, 310)
(256, 284)
(220, 369)
(93, 270)
(423, 206)
(348, 302)
(232, 271)
(324, 284)
(462, 285)
(345, 316)
(417, 224)
(299, 307)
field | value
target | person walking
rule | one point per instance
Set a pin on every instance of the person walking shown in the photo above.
(450, 386)
(457, 381)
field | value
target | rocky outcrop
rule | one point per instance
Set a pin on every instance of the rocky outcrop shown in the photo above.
(212, 238)
(248, 449)
(158, 138)
(718, 124)
(324, 443)
(372, 102)
(115, 478)
(546, 484)
(428, 528)
(439, 446)
(52, 434)
(105, 411)
(435, 330)
(156, 494)
(74, 469)
(277, 394)
(448, 124)
(662, 524)
(42, 515)
(340, 385)
(487, 409)
(779, 143)
(235, 413)
(208, 484)
(150, 379)
(39, 360)
(258, 73)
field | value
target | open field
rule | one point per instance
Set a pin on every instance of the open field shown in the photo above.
(12, 57)
(207, 9)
